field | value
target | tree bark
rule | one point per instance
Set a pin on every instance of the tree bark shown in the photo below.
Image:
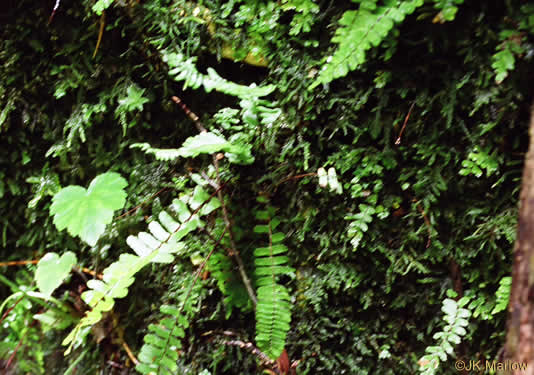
(519, 347)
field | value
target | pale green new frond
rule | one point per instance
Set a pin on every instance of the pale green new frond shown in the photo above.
(456, 319)
(158, 245)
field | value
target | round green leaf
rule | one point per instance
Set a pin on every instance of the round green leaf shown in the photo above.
(85, 213)
(52, 270)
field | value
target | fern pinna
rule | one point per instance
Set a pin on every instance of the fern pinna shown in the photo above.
(273, 311)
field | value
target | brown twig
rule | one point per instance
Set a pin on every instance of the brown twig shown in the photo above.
(35, 261)
(130, 353)
(8, 310)
(264, 358)
(294, 178)
(12, 356)
(53, 12)
(427, 221)
(235, 252)
(189, 113)
(398, 141)
(100, 32)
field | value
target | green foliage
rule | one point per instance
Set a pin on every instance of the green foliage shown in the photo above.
(235, 295)
(52, 270)
(101, 5)
(85, 213)
(504, 60)
(273, 311)
(183, 69)
(44, 185)
(360, 30)
(395, 132)
(81, 119)
(448, 10)
(455, 319)
(477, 161)
(512, 44)
(306, 10)
(133, 101)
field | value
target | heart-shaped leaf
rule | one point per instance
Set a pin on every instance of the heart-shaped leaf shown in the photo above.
(52, 270)
(85, 213)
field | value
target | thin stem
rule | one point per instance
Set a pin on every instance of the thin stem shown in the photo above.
(235, 252)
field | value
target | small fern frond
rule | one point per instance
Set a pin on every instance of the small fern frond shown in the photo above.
(503, 61)
(273, 311)
(159, 353)
(456, 319)
(448, 10)
(235, 295)
(157, 246)
(359, 31)
(185, 70)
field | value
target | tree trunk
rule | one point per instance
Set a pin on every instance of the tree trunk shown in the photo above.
(519, 347)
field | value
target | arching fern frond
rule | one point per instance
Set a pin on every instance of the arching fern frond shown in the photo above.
(185, 70)
(273, 311)
(359, 31)
(156, 246)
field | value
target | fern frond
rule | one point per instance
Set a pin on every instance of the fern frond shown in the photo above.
(159, 352)
(359, 31)
(156, 246)
(203, 143)
(503, 295)
(222, 269)
(456, 319)
(185, 70)
(273, 311)
(448, 10)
